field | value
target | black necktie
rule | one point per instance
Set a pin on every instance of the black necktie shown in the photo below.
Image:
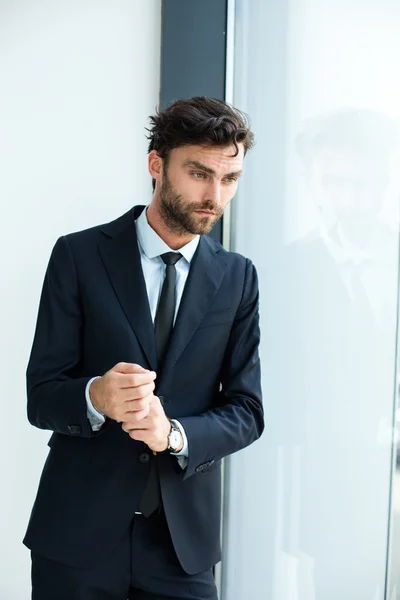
(164, 320)
(163, 324)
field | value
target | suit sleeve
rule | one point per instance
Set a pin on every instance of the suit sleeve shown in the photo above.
(238, 419)
(55, 389)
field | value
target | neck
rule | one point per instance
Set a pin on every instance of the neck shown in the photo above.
(172, 239)
(363, 235)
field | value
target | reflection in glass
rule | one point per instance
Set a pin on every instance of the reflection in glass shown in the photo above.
(340, 281)
(316, 211)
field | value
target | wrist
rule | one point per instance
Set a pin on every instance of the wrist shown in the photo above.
(93, 395)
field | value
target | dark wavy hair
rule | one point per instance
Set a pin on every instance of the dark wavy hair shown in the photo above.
(201, 121)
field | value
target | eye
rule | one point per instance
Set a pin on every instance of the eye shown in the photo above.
(230, 180)
(198, 175)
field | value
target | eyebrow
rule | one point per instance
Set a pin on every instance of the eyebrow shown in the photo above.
(199, 165)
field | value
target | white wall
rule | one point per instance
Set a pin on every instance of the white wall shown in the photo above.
(308, 505)
(78, 81)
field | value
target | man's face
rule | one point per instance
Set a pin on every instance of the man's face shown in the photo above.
(347, 186)
(197, 184)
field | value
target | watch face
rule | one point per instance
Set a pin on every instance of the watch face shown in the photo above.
(174, 439)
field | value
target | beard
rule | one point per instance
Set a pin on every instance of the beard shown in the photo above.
(179, 214)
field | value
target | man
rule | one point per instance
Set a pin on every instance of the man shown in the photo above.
(145, 365)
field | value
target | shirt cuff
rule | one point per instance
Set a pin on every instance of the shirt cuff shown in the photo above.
(96, 418)
(182, 456)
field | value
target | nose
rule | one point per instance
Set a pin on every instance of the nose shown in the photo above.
(213, 192)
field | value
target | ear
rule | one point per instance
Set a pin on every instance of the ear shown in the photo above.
(155, 163)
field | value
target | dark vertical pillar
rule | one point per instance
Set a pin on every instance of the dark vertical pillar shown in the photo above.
(193, 54)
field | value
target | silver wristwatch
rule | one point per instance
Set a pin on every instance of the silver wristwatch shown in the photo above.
(175, 438)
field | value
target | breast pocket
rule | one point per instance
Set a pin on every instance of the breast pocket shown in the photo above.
(217, 317)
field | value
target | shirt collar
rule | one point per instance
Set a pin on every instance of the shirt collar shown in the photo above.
(153, 246)
(340, 248)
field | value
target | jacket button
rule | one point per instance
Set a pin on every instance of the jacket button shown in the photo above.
(144, 458)
(75, 429)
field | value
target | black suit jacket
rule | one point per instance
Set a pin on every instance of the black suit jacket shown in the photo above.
(339, 363)
(94, 313)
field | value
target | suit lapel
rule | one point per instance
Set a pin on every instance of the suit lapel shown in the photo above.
(204, 280)
(121, 258)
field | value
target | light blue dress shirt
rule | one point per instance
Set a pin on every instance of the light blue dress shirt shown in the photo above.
(151, 246)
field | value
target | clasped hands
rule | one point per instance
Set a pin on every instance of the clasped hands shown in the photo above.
(125, 394)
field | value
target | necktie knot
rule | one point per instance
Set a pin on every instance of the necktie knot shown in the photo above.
(171, 258)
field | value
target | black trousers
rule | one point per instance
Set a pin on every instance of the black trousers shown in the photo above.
(143, 567)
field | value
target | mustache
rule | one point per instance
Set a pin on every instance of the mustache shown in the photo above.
(206, 206)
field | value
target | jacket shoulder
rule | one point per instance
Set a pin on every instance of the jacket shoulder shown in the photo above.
(232, 258)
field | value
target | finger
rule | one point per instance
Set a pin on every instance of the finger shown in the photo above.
(133, 406)
(135, 379)
(155, 401)
(136, 420)
(139, 435)
(124, 367)
(137, 394)
(128, 426)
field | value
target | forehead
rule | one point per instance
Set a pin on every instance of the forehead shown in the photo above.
(343, 160)
(218, 158)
